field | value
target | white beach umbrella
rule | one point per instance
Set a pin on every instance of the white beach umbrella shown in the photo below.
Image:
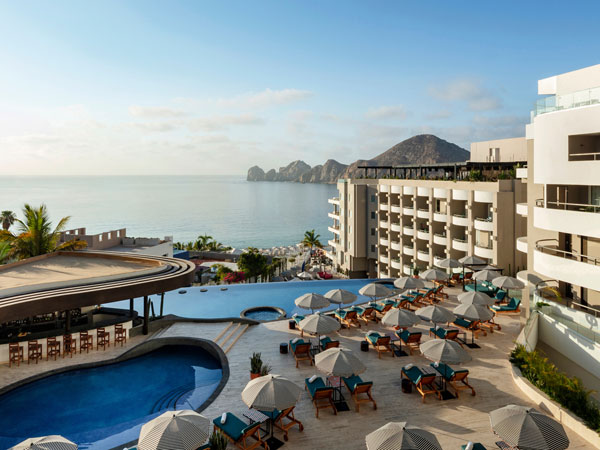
(473, 312)
(340, 296)
(485, 275)
(402, 318)
(339, 362)
(174, 430)
(435, 314)
(527, 428)
(375, 290)
(319, 324)
(271, 392)
(401, 436)
(444, 351)
(312, 301)
(409, 283)
(508, 283)
(449, 263)
(434, 275)
(52, 442)
(471, 261)
(305, 276)
(475, 298)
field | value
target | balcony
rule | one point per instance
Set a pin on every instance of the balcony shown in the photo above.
(334, 229)
(384, 274)
(406, 269)
(522, 173)
(440, 217)
(440, 193)
(384, 207)
(440, 239)
(423, 256)
(396, 227)
(334, 215)
(460, 245)
(522, 209)
(395, 245)
(385, 188)
(384, 241)
(483, 224)
(396, 209)
(384, 259)
(483, 251)
(423, 213)
(396, 189)
(408, 231)
(437, 260)
(567, 101)
(408, 211)
(384, 224)
(423, 191)
(333, 243)
(580, 270)
(460, 220)
(522, 244)
(423, 234)
(408, 190)
(568, 221)
(407, 250)
(396, 264)
(460, 194)
(334, 201)
(483, 197)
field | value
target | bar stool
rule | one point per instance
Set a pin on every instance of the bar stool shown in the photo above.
(103, 339)
(15, 354)
(120, 334)
(69, 345)
(86, 341)
(52, 348)
(34, 351)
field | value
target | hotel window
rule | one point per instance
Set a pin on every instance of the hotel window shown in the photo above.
(349, 228)
(372, 214)
(373, 198)
(373, 248)
(372, 231)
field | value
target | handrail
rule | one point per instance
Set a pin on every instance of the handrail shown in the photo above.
(440, 234)
(484, 219)
(460, 216)
(595, 208)
(460, 240)
(565, 254)
(596, 156)
(488, 247)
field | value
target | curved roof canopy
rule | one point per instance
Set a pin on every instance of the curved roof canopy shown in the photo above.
(68, 280)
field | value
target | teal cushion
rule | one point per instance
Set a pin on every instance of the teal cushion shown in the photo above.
(298, 319)
(462, 322)
(414, 374)
(373, 337)
(341, 313)
(233, 426)
(445, 370)
(293, 346)
(312, 387)
(352, 381)
(476, 446)
(271, 414)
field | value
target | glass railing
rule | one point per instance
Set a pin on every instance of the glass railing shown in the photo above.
(567, 101)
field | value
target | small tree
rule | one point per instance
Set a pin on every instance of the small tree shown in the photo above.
(311, 239)
(252, 263)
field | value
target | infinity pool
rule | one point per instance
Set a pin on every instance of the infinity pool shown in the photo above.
(218, 303)
(104, 407)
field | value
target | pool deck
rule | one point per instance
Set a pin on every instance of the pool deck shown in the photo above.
(454, 422)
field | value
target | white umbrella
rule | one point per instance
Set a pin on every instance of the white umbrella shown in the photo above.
(401, 436)
(527, 428)
(271, 392)
(444, 351)
(485, 275)
(305, 276)
(53, 442)
(174, 430)
(312, 301)
(471, 261)
(473, 312)
(434, 275)
(340, 362)
(319, 324)
(435, 314)
(475, 298)
(449, 263)
(508, 283)
(340, 296)
(402, 318)
(375, 290)
(409, 283)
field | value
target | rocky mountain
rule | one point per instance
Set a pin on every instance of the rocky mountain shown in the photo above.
(421, 149)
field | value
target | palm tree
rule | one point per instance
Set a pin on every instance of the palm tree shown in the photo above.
(311, 239)
(4, 252)
(7, 218)
(202, 242)
(36, 236)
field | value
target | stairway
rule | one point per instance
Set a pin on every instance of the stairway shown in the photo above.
(230, 335)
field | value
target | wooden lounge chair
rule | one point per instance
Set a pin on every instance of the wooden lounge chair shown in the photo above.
(513, 306)
(321, 395)
(69, 345)
(469, 325)
(15, 354)
(384, 306)
(439, 292)
(412, 339)
(326, 342)
(458, 379)
(366, 313)
(278, 418)
(299, 318)
(34, 351)
(237, 431)
(423, 382)
(445, 333)
(455, 279)
(381, 342)
(500, 296)
(301, 351)
(415, 298)
(347, 317)
(357, 386)
(52, 348)
(86, 342)
(428, 296)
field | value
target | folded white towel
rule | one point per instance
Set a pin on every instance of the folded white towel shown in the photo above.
(469, 446)
(436, 364)
(223, 418)
(295, 340)
(295, 315)
(323, 337)
(312, 379)
(409, 366)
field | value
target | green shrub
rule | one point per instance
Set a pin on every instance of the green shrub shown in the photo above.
(217, 441)
(569, 392)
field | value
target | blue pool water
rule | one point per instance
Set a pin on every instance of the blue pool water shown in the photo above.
(230, 303)
(103, 407)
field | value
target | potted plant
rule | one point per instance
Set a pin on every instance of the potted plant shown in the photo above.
(265, 370)
(256, 366)
(217, 441)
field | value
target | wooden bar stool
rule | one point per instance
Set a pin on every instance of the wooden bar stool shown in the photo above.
(103, 339)
(86, 341)
(15, 354)
(52, 348)
(34, 351)
(120, 334)
(69, 345)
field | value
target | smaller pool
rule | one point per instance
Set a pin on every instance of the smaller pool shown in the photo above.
(263, 313)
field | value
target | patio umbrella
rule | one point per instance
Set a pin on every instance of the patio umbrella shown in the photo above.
(271, 392)
(434, 275)
(401, 436)
(484, 275)
(53, 442)
(508, 283)
(340, 296)
(174, 430)
(409, 283)
(449, 263)
(435, 314)
(312, 301)
(375, 290)
(528, 429)
(402, 318)
(444, 351)
(319, 324)
(475, 298)
(473, 312)
(305, 275)
(471, 261)
(339, 362)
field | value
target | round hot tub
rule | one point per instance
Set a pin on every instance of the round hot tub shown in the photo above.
(263, 313)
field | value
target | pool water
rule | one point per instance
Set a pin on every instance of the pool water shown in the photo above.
(103, 407)
(217, 303)
(263, 314)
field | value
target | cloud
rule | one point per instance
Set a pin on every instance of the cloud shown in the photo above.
(155, 112)
(263, 99)
(441, 114)
(221, 122)
(500, 121)
(386, 112)
(156, 126)
(477, 97)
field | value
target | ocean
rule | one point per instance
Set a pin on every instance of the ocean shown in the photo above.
(229, 208)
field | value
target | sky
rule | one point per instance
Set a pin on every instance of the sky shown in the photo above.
(213, 87)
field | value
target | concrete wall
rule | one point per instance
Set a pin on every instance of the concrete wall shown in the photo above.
(499, 150)
(577, 80)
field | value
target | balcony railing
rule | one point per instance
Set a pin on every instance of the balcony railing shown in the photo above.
(593, 156)
(567, 101)
(544, 246)
(581, 207)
